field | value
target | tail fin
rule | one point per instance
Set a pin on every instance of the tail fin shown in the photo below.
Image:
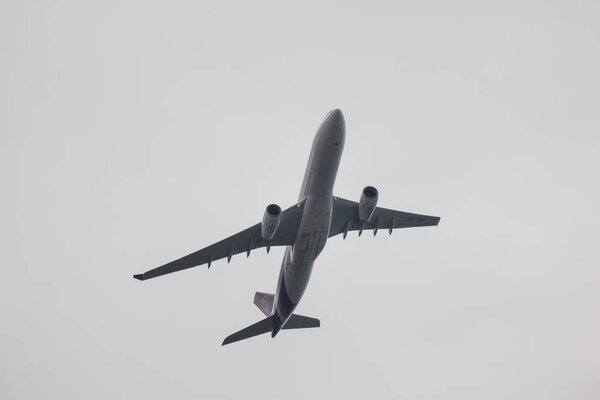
(264, 302)
(264, 326)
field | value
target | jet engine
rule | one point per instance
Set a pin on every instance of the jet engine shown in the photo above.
(270, 221)
(367, 203)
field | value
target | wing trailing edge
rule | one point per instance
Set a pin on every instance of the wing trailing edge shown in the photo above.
(345, 218)
(242, 242)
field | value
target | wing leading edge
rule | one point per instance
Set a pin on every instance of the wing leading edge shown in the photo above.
(345, 219)
(244, 241)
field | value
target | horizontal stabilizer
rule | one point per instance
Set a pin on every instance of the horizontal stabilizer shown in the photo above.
(264, 302)
(264, 326)
(300, 321)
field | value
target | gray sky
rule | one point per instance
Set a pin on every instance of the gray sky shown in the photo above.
(134, 133)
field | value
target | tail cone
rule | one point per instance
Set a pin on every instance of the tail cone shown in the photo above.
(276, 326)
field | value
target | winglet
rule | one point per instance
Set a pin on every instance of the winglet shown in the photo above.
(139, 277)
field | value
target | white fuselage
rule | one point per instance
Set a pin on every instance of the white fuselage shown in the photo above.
(317, 194)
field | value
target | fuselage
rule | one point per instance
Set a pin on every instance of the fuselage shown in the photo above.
(317, 194)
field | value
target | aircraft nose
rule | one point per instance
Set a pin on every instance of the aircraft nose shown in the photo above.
(334, 127)
(335, 117)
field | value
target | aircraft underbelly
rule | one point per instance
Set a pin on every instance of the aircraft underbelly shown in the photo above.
(312, 234)
(310, 241)
(314, 229)
(296, 279)
(299, 259)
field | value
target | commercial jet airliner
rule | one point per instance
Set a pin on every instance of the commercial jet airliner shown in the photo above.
(304, 229)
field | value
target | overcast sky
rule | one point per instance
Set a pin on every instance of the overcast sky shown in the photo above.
(133, 133)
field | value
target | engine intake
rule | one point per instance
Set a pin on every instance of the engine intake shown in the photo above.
(270, 222)
(367, 203)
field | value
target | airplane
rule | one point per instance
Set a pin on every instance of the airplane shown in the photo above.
(303, 229)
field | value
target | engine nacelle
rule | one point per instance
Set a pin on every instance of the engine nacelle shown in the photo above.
(270, 222)
(367, 203)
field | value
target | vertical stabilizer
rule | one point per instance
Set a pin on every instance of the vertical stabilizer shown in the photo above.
(264, 302)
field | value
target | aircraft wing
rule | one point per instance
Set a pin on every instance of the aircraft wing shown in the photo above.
(345, 218)
(242, 242)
